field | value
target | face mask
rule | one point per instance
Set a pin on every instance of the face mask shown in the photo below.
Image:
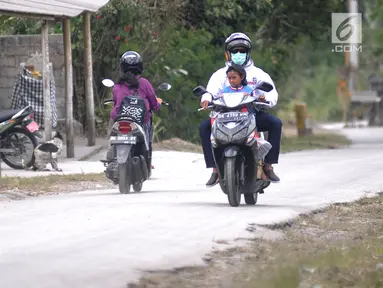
(239, 58)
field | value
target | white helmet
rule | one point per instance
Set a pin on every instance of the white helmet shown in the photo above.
(238, 40)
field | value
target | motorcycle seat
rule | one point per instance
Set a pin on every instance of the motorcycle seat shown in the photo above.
(7, 114)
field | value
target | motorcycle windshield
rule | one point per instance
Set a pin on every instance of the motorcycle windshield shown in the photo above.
(232, 100)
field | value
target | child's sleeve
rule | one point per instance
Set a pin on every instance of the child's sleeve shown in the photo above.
(225, 89)
(248, 89)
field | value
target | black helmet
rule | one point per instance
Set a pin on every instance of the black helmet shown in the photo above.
(131, 61)
(238, 40)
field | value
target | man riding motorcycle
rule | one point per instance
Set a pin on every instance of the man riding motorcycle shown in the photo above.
(238, 50)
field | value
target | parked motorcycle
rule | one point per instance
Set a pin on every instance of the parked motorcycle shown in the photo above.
(17, 127)
(131, 162)
(238, 148)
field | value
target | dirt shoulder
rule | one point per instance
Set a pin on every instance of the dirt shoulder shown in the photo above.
(17, 188)
(341, 246)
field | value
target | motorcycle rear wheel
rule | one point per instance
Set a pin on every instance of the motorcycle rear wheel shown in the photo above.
(124, 177)
(137, 187)
(251, 198)
(13, 132)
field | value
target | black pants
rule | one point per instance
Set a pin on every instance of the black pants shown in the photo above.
(265, 122)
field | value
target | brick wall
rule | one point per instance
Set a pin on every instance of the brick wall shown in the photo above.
(17, 49)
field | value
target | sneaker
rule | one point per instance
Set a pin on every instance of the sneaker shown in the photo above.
(214, 179)
(269, 171)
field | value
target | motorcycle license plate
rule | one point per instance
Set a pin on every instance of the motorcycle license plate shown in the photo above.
(33, 126)
(232, 116)
(123, 139)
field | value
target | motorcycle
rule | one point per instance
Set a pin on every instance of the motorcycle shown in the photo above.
(17, 126)
(238, 148)
(131, 162)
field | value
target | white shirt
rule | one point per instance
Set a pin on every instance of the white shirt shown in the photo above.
(219, 80)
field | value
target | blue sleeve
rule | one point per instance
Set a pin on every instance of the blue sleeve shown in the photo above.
(248, 89)
(226, 89)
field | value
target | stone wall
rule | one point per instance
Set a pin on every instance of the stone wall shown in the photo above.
(19, 48)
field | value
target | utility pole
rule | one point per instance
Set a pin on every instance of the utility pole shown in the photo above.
(351, 55)
(90, 114)
(46, 81)
(354, 39)
(68, 90)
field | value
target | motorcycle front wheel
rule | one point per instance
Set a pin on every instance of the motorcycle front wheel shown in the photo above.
(17, 139)
(232, 182)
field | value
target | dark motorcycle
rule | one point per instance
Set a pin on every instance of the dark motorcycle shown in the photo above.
(17, 127)
(131, 161)
(238, 148)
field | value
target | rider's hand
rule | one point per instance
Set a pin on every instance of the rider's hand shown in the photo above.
(204, 104)
(159, 100)
(262, 98)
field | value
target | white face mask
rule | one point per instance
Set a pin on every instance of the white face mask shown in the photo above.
(239, 58)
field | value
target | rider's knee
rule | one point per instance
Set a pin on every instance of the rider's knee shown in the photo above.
(276, 123)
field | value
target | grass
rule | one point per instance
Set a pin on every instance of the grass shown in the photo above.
(53, 183)
(288, 143)
(318, 141)
(339, 247)
(177, 144)
(344, 251)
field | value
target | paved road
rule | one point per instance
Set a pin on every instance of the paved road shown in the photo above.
(103, 239)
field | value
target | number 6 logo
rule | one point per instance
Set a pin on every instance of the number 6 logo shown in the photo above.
(344, 25)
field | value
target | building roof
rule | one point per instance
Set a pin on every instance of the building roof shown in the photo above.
(50, 8)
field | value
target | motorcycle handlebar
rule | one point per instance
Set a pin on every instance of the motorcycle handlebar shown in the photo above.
(263, 103)
(110, 101)
(166, 103)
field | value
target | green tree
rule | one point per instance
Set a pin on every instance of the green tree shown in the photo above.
(182, 43)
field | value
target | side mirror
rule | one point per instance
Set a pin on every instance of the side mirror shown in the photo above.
(199, 91)
(108, 83)
(108, 101)
(264, 86)
(164, 86)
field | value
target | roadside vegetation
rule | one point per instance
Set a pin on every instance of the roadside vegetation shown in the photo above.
(182, 43)
(338, 247)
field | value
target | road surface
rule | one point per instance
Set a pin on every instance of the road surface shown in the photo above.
(103, 239)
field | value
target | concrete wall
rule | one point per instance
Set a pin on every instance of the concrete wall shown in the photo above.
(17, 49)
